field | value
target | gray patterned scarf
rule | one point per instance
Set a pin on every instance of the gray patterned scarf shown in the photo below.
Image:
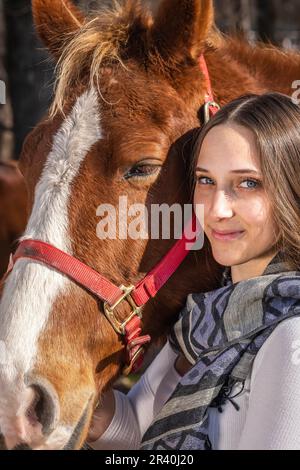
(220, 332)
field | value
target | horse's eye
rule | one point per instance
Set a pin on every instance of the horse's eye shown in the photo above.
(141, 171)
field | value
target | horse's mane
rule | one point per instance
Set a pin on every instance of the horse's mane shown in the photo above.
(100, 41)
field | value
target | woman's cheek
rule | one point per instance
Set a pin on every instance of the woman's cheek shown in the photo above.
(201, 197)
(196, 198)
(200, 200)
(257, 211)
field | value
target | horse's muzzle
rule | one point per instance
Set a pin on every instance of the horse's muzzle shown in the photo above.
(36, 418)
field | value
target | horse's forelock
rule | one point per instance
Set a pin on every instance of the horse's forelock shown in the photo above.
(100, 42)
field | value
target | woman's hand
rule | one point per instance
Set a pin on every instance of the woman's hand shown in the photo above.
(102, 416)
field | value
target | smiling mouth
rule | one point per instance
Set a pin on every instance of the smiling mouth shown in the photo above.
(227, 236)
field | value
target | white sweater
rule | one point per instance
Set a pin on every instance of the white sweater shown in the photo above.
(269, 414)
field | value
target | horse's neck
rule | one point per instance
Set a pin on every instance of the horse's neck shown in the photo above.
(270, 67)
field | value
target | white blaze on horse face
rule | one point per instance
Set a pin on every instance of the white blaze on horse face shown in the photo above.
(32, 288)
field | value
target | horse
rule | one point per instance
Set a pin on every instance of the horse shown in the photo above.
(128, 94)
(13, 209)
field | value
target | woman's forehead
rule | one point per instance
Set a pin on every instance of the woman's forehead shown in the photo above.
(231, 147)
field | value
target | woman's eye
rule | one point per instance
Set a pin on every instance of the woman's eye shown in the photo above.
(250, 184)
(141, 171)
(204, 180)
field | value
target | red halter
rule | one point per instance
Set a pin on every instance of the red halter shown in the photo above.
(106, 291)
(210, 106)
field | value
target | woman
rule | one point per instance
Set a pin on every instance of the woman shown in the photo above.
(229, 376)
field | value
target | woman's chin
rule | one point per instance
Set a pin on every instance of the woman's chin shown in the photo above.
(227, 258)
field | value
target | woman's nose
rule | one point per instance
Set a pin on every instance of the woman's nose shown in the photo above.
(221, 205)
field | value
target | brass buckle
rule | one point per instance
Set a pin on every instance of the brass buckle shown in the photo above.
(206, 111)
(109, 310)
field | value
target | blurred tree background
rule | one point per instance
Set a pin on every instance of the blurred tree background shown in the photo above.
(27, 70)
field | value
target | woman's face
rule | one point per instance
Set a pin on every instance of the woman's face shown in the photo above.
(237, 211)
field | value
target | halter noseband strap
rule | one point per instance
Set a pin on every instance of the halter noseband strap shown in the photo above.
(137, 296)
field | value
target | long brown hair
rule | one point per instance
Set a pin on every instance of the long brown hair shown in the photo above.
(275, 121)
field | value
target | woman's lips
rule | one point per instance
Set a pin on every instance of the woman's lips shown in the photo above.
(227, 236)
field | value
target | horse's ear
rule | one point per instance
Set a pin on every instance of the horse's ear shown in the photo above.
(54, 21)
(182, 27)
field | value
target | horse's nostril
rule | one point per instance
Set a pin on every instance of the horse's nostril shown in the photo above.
(39, 408)
(31, 412)
(44, 407)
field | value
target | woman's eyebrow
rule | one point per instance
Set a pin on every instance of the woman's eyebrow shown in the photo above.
(242, 170)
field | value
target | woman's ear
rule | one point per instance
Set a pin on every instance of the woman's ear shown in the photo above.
(55, 21)
(181, 28)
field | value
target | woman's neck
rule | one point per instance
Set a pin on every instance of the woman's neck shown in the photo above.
(253, 268)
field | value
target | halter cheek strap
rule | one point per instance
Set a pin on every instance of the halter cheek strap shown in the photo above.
(210, 107)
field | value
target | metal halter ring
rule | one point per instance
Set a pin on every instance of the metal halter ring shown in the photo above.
(207, 111)
(118, 326)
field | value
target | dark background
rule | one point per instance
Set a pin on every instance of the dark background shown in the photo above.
(28, 72)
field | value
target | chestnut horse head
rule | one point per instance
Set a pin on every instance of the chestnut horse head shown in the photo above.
(128, 88)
